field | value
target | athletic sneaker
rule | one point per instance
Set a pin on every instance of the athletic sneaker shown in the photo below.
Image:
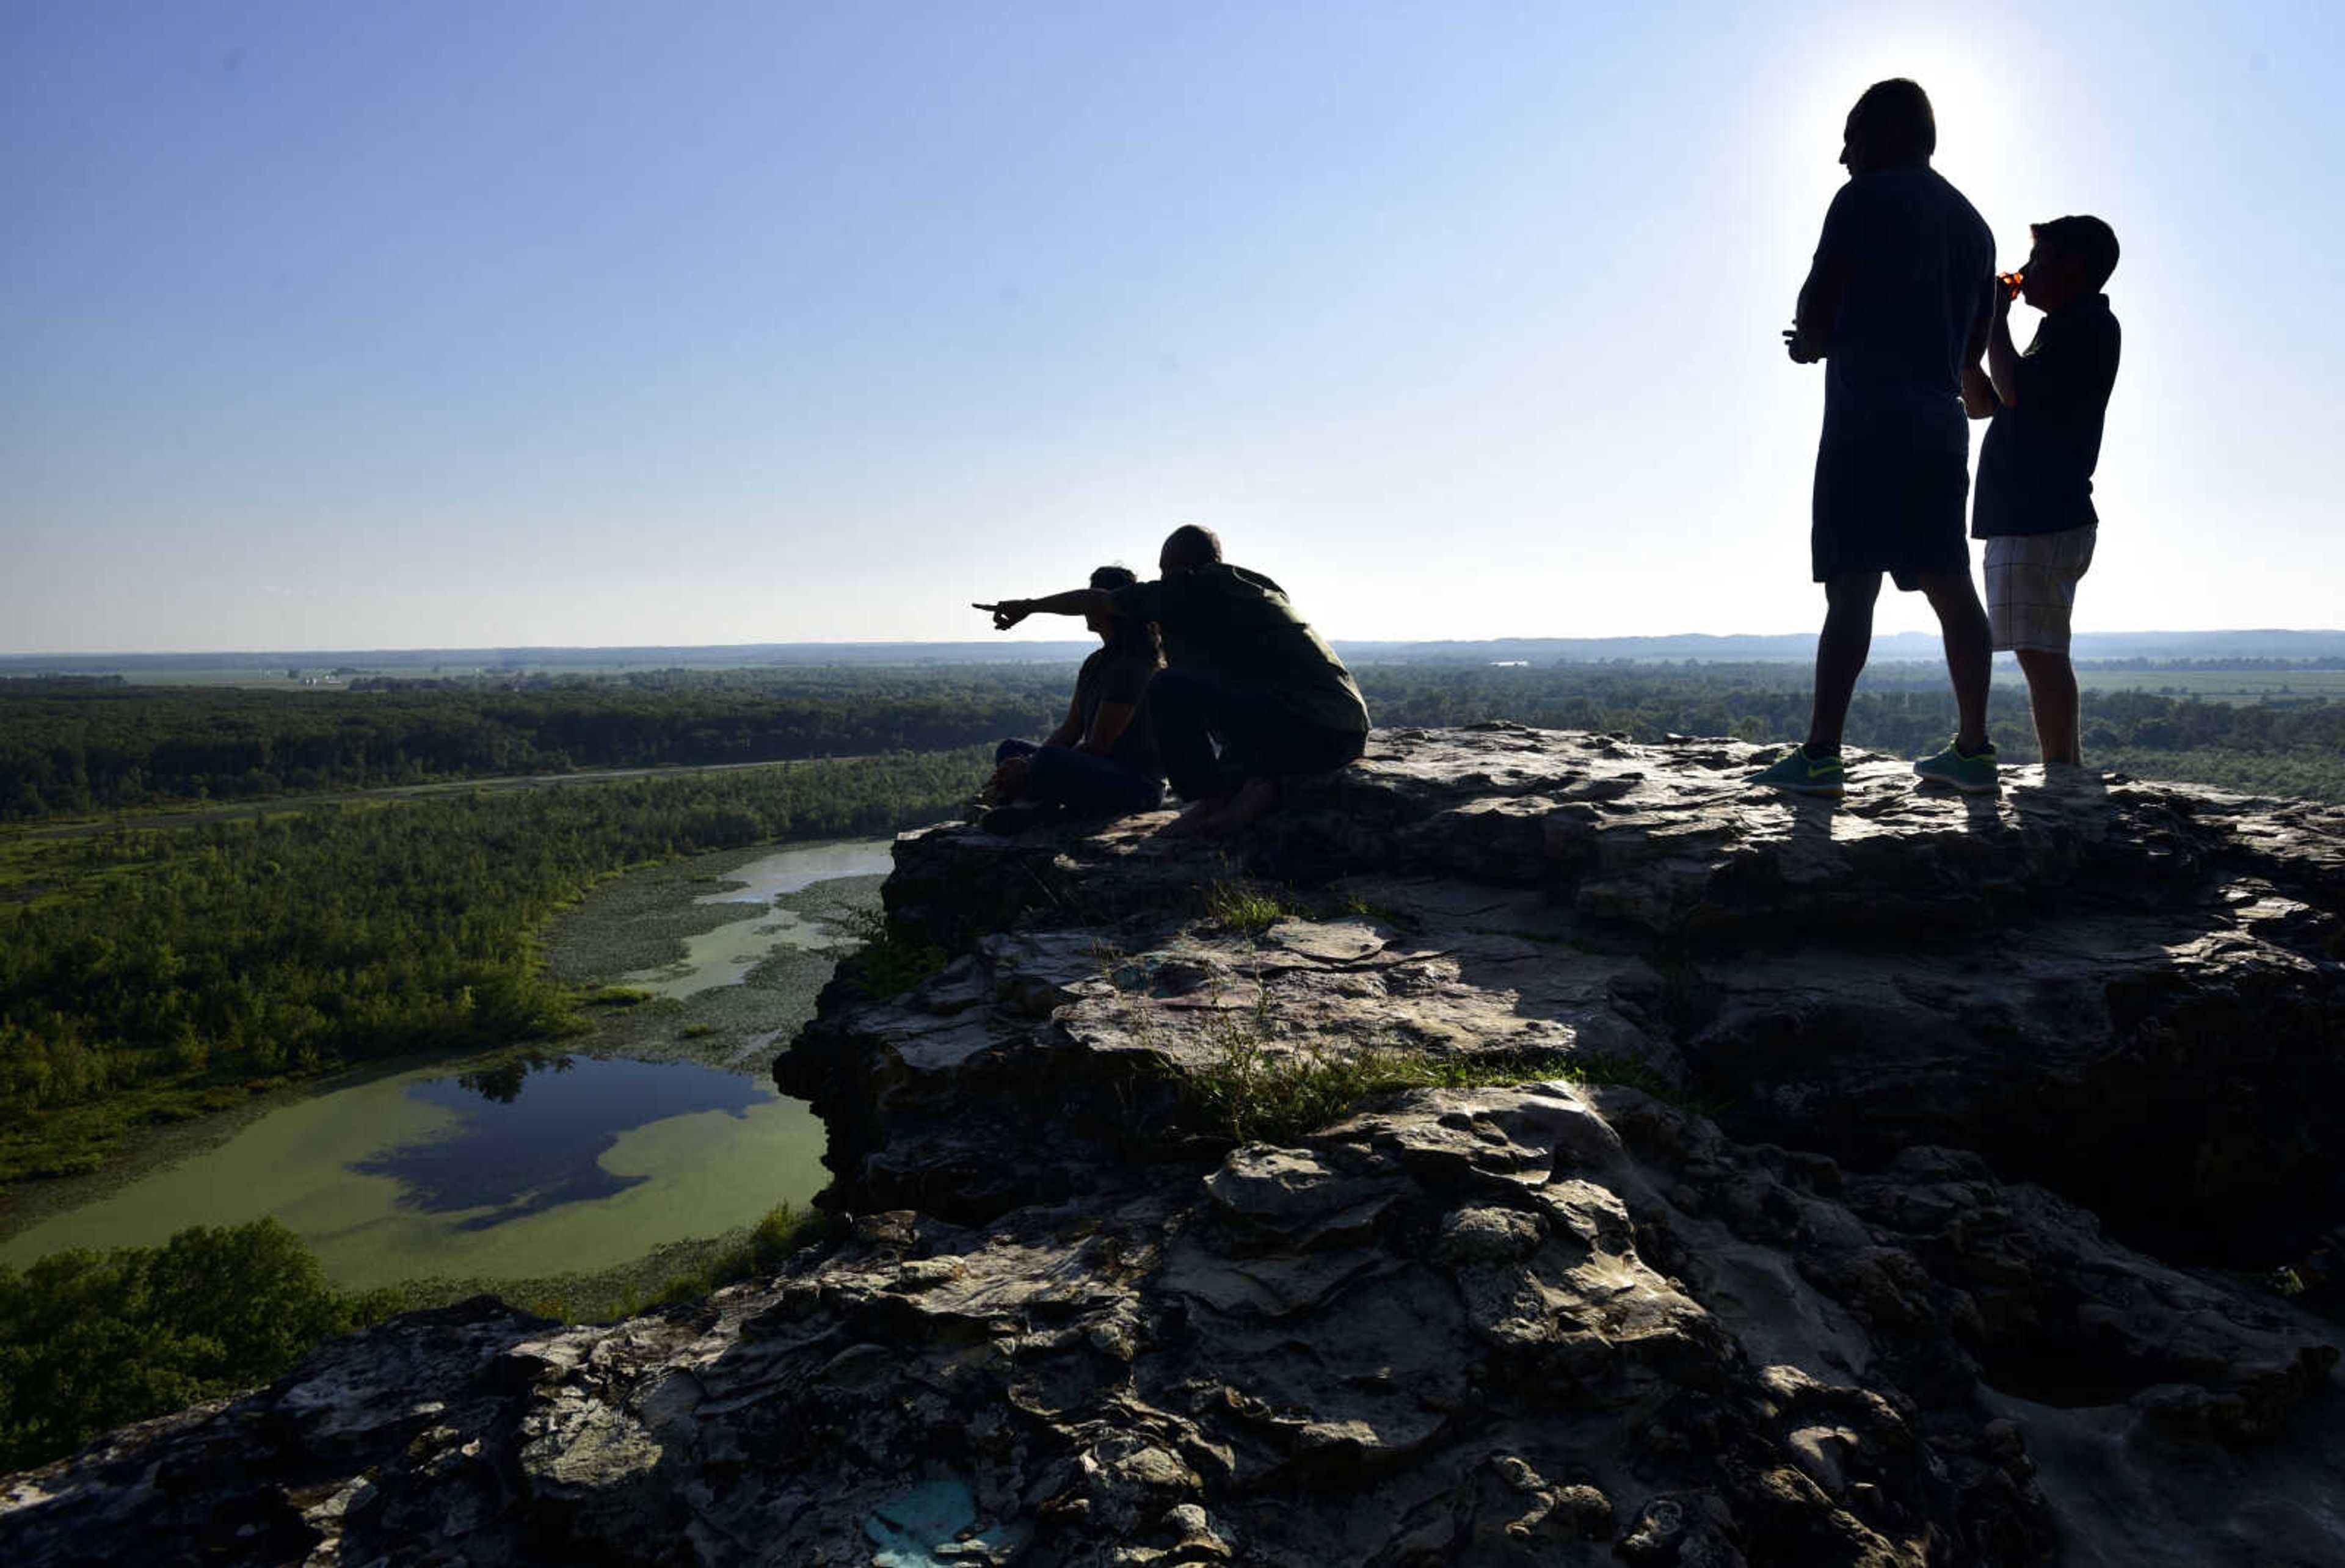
(2069, 778)
(1973, 773)
(1800, 773)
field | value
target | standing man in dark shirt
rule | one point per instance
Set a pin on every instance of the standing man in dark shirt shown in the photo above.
(1250, 692)
(2035, 505)
(1897, 303)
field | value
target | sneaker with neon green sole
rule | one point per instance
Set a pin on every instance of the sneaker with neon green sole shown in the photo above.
(1800, 773)
(1973, 773)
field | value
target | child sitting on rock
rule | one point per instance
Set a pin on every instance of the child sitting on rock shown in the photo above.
(1101, 760)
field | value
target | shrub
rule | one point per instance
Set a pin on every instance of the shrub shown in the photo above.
(890, 959)
(91, 1340)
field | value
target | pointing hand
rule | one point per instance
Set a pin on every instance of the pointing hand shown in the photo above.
(1007, 613)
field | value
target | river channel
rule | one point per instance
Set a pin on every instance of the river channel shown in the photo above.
(661, 1125)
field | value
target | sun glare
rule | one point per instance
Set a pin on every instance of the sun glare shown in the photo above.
(1980, 139)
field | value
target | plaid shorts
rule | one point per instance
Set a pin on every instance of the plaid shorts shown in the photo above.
(2031, 586)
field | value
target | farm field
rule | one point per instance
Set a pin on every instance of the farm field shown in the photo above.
(2245, 686)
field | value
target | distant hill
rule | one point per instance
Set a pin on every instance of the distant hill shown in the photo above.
(465, 660)
(1698, 646)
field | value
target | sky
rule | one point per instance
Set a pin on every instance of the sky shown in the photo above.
(443, 324)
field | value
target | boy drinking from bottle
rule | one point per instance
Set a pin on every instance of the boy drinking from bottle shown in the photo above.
(2033, 505)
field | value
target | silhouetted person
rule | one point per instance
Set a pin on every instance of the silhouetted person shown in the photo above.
(1897, 304)
(1250, 692)
(2035, 503)
(1102, 759)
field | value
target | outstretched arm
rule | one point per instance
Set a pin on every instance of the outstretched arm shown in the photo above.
(1074, 601)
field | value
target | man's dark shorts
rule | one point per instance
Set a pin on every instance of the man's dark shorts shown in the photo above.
(1889, 509)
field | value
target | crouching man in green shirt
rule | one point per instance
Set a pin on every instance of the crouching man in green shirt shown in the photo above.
(1249, 693)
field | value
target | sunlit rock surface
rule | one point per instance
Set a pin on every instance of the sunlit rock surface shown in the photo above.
(1917, 1201)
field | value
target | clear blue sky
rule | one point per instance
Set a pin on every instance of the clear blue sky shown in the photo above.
(439, 323)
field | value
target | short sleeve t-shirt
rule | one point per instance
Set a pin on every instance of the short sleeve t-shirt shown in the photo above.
(1112, 675)
(2035, 466)
(1922, 260)
(1225, 620)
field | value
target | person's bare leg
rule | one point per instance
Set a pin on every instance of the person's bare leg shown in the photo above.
(2052, 693)
(1198, 820)
(1841, 652)
(1970, 649)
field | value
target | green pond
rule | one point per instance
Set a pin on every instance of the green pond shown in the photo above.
(662, 1126)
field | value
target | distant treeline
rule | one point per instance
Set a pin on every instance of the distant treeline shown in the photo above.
(148, 975)
(76, 748)
(80, 746)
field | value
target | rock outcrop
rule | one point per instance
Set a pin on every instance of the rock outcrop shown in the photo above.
(1524, 1147)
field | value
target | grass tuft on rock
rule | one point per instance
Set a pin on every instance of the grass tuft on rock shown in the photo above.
(1244, 908)
(1255, 1088)
(1255, 1092)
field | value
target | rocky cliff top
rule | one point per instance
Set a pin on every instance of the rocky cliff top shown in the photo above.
(1524, 1147)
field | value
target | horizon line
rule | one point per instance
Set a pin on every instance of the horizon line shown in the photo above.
(1013, 643)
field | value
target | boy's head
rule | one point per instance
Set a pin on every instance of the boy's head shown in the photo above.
(2072, 257)
(1107, 579)
(1891, 123)
(1188, 547)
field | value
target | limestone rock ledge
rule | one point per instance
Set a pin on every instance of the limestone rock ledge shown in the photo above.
(1885, 1183)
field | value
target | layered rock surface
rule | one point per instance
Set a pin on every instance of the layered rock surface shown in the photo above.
(1756, 1180)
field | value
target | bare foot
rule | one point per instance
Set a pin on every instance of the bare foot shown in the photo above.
(1197, 822)
(1224, 815)
(1256, 801)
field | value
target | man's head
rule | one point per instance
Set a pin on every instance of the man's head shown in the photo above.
(1187, 547)
(1891, 123)
(2071, 259)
